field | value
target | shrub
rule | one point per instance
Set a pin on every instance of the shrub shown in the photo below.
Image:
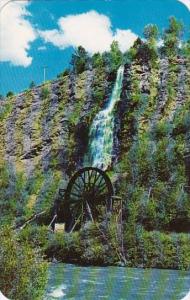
(10, 94)
(23, 273)
(45, 92)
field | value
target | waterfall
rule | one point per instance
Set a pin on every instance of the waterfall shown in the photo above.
(101, 132)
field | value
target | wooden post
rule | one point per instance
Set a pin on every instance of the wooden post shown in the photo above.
(120, 221)
(89, 211)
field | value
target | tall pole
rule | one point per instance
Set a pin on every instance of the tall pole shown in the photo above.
(45, 68)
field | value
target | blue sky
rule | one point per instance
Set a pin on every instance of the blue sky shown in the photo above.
(44, 32)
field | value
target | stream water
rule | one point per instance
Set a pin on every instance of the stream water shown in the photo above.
(70, 282)
(102, 128)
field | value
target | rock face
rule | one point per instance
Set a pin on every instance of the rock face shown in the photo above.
(46, 129)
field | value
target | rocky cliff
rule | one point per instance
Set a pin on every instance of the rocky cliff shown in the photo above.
(44, 131)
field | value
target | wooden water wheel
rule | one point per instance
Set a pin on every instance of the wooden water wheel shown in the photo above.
(88, 197)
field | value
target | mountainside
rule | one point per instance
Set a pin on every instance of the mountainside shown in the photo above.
(45, 136)
(45, 129)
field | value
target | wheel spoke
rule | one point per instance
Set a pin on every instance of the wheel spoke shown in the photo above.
(76, 184)
(83, 180)
(91, 176)
(76, 188)
(77, 195)
(100, 181)
(96, 174)
(97, 178)
(100, 185)
(87, 193)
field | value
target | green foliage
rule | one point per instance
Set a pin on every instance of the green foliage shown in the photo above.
(97, 61)
(36, 236)
(154, 249)
(151, 32)
(182, 120)
(162, 129)
(172, 37)
(23, 273)
(64, 73)
(12, 198)
(65, 247)
(115, 56)
(186, 49)
(149, 174)
(79, 60)
(45, 92)
(141, 51)
(47, 194)
(10, 94)
(5, 110)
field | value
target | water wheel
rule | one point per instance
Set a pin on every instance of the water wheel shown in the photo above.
(87, 197)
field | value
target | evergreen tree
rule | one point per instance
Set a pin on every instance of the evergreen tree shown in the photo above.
(97, 60)
(80, 60)
(186, 49)
(115, 55)
(10, 94)
(151, 33)
(172, 37)
(63, 74)
(32, 84)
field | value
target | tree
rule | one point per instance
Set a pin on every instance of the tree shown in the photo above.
(114, 58)
(23, 272)
(10, 94)
(186, 49)
(132, 52)
(97, 60)
(63, 74)
(80, 60)
(172, 37)
(151, 33)
(140, 51)
(32, 84)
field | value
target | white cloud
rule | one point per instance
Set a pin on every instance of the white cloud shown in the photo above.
(91, 30)
(186, 3)
(16, 33)
(125, 39)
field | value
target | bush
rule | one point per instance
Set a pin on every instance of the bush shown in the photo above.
(10, 94)
(65, 247)
(35, 235)
(23, 273)
(155, 249)
(64, 73)
(45, 92)
(12, 198)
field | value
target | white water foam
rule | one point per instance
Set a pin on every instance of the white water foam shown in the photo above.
(58, 292)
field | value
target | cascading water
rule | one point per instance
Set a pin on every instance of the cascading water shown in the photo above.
(101, 132)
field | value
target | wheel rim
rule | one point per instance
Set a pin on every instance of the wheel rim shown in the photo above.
(88, 194)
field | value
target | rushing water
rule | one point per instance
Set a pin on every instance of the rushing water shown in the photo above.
(70, 282)
(101, 131)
